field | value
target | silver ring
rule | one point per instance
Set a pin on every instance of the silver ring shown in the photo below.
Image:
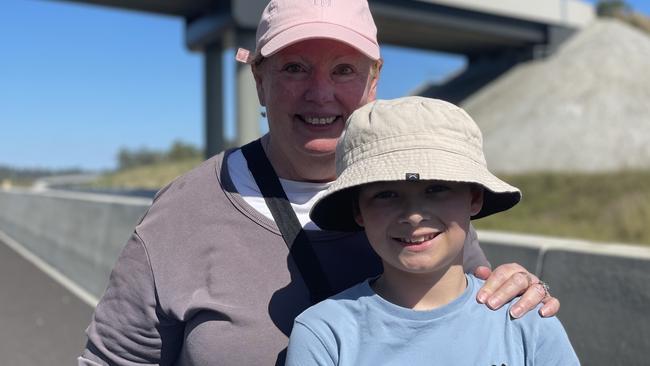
(547, 289)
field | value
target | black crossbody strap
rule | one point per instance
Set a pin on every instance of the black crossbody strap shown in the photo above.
(294, 236)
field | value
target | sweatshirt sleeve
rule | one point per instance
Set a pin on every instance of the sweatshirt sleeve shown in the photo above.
(473, 255)
(128, 326)
(307, 349)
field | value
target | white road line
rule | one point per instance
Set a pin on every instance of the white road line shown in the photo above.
(82, 294)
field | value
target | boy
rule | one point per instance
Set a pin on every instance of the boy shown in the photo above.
(411, 173)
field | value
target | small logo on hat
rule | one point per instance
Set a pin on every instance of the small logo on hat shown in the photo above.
(412, 176)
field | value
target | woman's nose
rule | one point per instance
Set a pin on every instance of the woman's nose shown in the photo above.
(320, 89)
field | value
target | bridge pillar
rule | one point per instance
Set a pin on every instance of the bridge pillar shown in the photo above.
(213, 98)
(248, 108)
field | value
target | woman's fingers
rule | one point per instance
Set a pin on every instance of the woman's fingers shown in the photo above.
(511, 280)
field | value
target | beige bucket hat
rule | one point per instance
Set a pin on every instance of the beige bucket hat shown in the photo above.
(411, 138)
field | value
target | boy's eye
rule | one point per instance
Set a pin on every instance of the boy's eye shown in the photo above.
(384, 195)
(437, 188)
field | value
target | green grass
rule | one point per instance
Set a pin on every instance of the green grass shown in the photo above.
(153, 176)
(599, 207)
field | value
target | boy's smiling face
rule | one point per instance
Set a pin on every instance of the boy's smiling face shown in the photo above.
(418, 226)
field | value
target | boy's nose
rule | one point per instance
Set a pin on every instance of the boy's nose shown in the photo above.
(414, 218)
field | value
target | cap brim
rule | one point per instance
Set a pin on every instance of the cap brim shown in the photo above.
(336, 32)
(334, 210)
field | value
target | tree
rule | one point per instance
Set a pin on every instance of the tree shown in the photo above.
(181, 151)
(612, 8)
(129, 159)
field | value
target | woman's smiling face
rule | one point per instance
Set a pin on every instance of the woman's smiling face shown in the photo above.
(309, 90)
(418, 226)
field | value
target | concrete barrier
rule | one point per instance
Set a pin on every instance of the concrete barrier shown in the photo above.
(605, 295)
(79, 234)
(604, 289)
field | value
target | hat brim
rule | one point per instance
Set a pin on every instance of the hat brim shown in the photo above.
(325, 30)
(334, 210)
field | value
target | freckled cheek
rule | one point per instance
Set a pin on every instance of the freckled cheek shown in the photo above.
(283, 97)
(352, 96)
(286, 91)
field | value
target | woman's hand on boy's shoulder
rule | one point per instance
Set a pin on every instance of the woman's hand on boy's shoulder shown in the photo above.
(508, 281)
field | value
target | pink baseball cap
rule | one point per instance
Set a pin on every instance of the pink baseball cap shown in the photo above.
(285, 22)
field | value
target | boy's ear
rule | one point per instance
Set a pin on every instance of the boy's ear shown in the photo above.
(358, 219)
(357, 214)
(477, 199)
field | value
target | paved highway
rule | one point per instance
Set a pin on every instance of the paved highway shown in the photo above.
(41, 322)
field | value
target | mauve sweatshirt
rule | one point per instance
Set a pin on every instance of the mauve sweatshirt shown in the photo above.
(207, 280)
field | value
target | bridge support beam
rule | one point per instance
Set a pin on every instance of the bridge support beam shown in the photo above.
(248, 108)
(213, 35)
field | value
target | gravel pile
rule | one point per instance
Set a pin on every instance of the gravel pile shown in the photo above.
(586, 108)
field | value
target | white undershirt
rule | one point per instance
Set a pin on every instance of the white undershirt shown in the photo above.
(302, 195)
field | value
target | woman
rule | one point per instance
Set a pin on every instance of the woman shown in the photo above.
(207, 277)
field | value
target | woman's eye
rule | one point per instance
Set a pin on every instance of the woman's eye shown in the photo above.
(344, 70)
(293, 68)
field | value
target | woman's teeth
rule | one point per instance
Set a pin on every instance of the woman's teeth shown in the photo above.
(319, 120)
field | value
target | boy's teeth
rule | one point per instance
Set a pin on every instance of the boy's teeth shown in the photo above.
(418, 240)
(320, 120)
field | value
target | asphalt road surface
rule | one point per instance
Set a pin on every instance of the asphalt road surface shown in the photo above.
(41, 322)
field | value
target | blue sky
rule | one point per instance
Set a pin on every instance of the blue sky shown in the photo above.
(78, 82)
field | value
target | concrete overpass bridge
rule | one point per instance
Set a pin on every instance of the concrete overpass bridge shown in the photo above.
(493, 35)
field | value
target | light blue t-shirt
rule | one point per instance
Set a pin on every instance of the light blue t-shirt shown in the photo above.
(358, 327)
